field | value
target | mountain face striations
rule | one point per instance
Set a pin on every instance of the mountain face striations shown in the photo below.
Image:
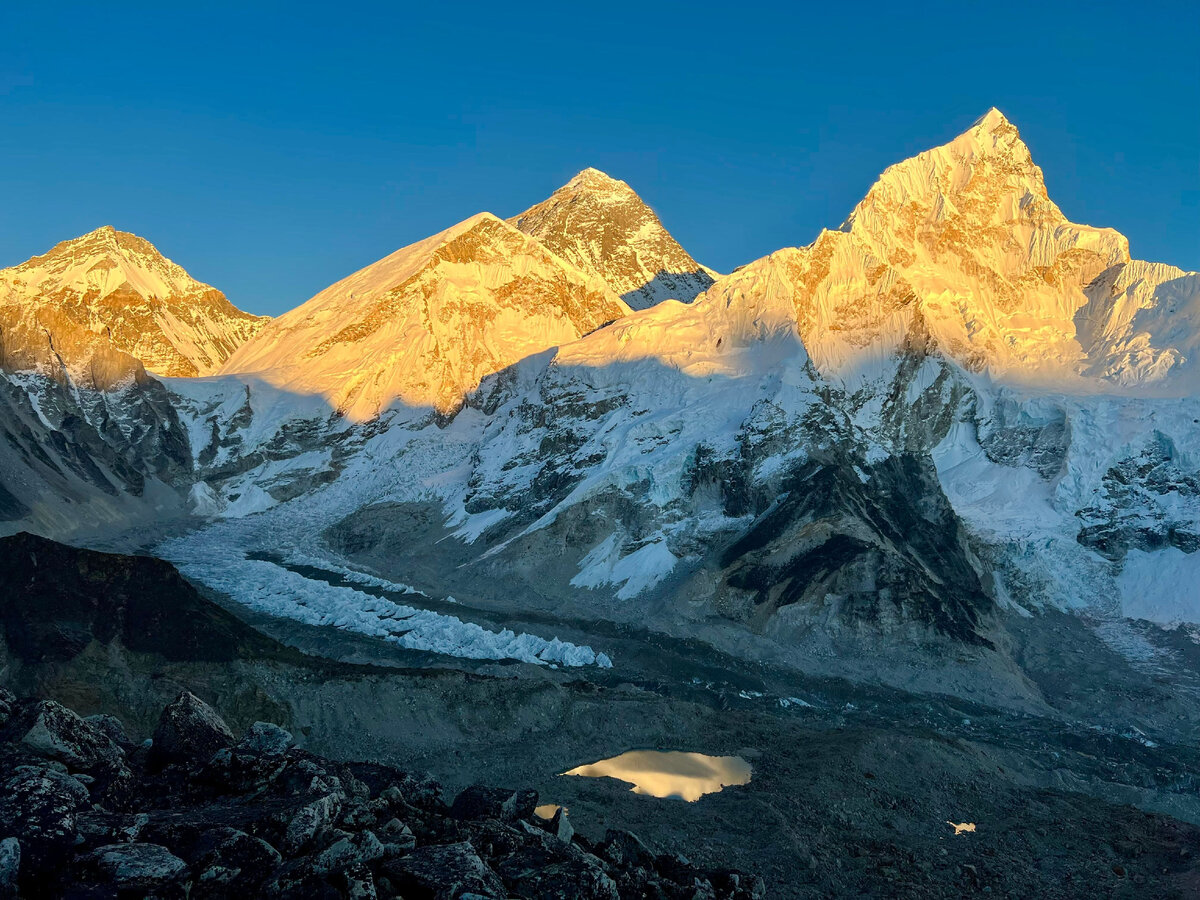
(599, 225)
(109, 295)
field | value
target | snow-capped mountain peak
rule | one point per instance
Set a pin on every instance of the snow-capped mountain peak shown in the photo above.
(424, 325)
(965, 238)
(600, 225)
(118, 286)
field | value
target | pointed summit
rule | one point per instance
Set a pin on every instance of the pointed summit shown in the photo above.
(992, 120)
(593, 180)
(423, 326)
(117, 285)
(600, 225)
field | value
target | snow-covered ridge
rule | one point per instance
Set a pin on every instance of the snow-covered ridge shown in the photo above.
(118, 287)
(423, 326)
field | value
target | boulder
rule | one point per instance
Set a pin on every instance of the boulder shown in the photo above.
(55, 732)
(445, 870)
(534, 871)
(309, 820)
(296, 879)
(481, 802)
(188, 730)
(42, 806)
(397, 838)
(738, 885)
(625, 849)
(349, 853)
(560, 826)
(8, 703)
(141, 868)
(234, 850)
(10, 866)
(109, 725)
(266, 739)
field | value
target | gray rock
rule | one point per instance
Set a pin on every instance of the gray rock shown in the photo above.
(140, 867)
(309, 820)
(41, 806)
(560, 826)
(449, 870)
(8, 703)
(55, 732)
(267, 739)
(624, 848)
(359, 884)
(543, 871)
(10, 866)
(188, 730)
(349, 853)
(235, 851)
(109, 725)
(481, 802)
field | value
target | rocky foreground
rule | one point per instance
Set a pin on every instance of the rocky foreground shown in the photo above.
(194, 812)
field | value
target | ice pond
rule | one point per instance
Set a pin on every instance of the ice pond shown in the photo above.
(670, 773)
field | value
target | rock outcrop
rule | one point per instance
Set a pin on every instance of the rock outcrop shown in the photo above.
(196, 815)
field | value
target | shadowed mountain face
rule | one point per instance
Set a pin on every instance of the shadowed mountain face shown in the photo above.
(59, 599)
(599, 225)
(881, 549)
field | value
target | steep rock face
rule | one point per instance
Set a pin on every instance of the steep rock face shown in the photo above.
(602, 227)
(423, 326)
(112, 294)
(76, 459)
(60, 599)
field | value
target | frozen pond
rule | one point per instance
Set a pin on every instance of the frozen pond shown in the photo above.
(670, 773)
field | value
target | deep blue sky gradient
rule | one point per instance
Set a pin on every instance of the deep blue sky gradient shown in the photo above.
(273, 151)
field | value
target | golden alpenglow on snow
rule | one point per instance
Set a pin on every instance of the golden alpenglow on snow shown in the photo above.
(423, 326)
(670, 773)
(110, 294)
(960, 248)
(601, 226)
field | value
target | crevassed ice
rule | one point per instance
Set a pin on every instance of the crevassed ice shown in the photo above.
(269, 588)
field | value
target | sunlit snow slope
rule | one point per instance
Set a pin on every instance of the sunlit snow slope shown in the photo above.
(422, 327)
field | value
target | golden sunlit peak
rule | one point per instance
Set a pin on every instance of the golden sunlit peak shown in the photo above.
(991, 120)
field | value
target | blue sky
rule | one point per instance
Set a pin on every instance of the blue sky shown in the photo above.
(273, 150)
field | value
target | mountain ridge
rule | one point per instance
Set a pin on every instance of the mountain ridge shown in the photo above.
(460, 305)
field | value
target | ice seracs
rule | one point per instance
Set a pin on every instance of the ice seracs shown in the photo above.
(601, 226)
(423, 326)
(112, 293)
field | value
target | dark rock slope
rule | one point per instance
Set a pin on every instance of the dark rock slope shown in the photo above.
(58, 599)
(195, 813)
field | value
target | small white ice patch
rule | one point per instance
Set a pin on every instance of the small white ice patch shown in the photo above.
(636, 572)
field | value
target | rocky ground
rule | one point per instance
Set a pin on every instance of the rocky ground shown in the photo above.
(194, 812)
